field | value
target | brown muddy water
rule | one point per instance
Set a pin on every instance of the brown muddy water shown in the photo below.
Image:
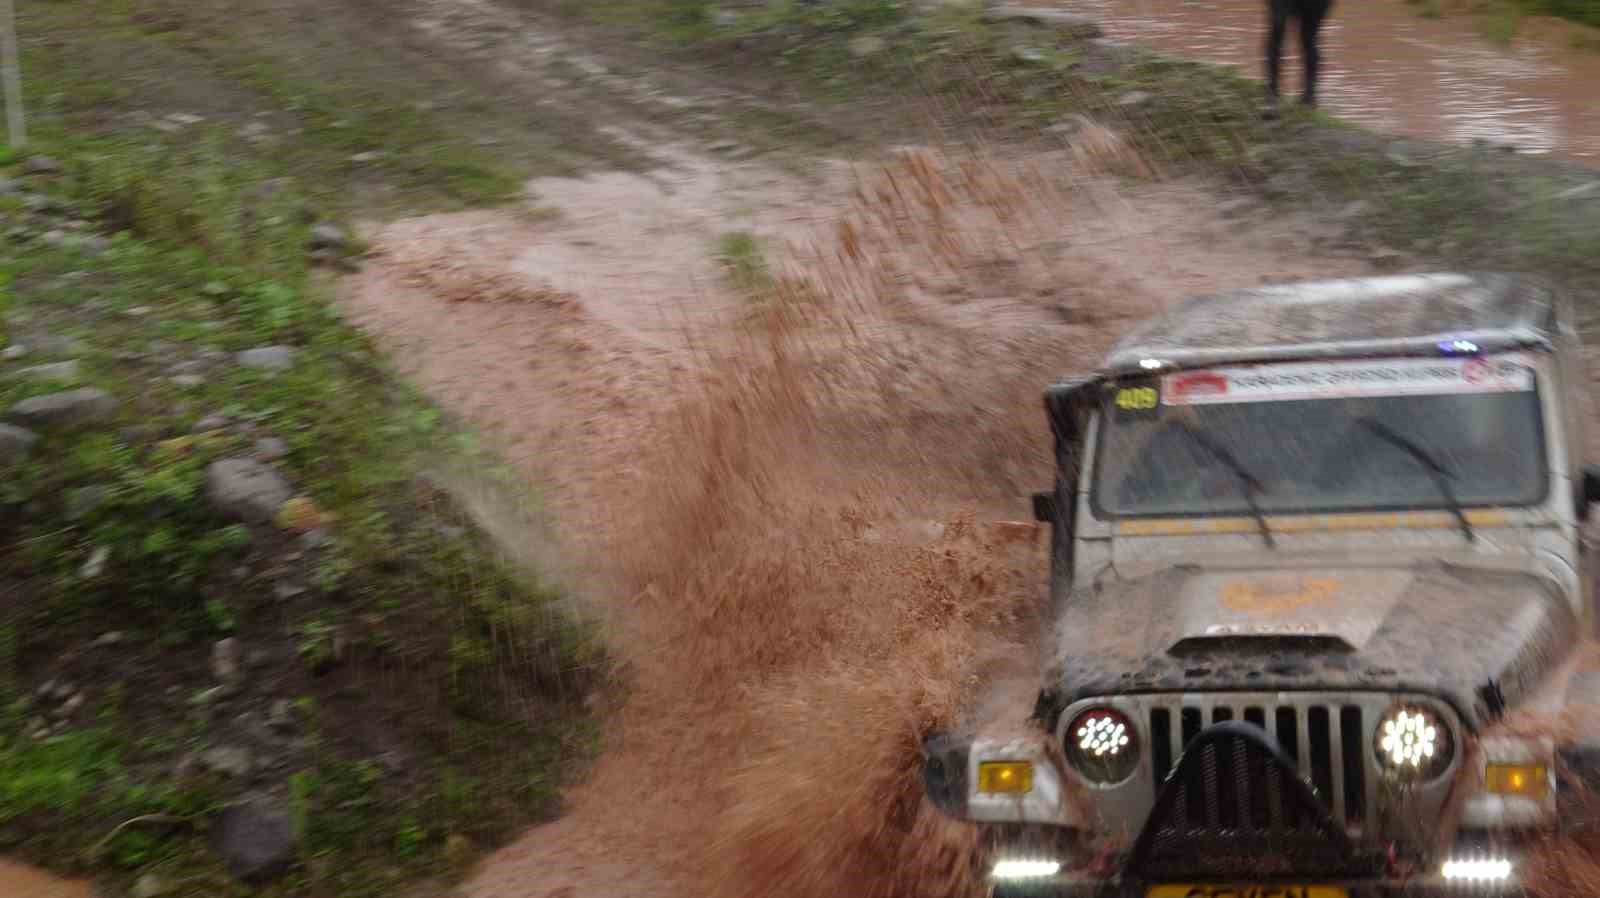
(1390, 69)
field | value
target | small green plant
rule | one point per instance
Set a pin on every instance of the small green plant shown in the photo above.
(742, 261)
(409, 839)
(220, 615)
(316, 642)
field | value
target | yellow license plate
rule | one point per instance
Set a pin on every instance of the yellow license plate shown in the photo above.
(1246, 891)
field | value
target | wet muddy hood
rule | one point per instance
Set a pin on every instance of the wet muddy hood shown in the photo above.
(1478, 639)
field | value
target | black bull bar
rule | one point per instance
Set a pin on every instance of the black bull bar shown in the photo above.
(1234, 807)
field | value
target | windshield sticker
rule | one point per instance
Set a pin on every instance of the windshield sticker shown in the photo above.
(1136, 401)
(1392, 377)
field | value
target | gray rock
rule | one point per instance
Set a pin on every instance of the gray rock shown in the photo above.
(225, 660)
(87, 405)
(9, 187)
(246, 489)
(46, 690)
(284, 592)
(1060, 19)
(1236, 208)
(86, 500)
(110, 637)
(228, 761)
(13, 352)
(866, 45)
(1030, 55)
(1385, 259)
(96, 565)
(64, 372)
(71, 705)
(188, 381)
(207, 697)
(1134, 98)
(153, 886)
(15, 443)
(190, 366)
(256, 839)
(208, 423)
(139, 433)
(1400, 157)
(281, 716)
(1353, 210)
(42, 165)
(368, 156)
(268, 358)
(271, 449)
(41, 204)
(329, 236)
(56, 345)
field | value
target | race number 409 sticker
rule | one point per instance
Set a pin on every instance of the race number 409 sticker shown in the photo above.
(1333, 380)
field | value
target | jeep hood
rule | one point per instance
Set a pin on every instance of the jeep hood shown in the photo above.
(1479, 639)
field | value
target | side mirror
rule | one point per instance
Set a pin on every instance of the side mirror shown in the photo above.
(1044, 507)
(1589, 493)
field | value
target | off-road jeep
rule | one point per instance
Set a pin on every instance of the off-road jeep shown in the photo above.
(1316, 575)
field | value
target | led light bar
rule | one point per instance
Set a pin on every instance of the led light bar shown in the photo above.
(1489, 869)
(1025, 869)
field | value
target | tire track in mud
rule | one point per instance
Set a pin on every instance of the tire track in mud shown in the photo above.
(776, 503)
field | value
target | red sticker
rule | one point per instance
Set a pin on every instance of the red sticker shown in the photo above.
(1200, 383)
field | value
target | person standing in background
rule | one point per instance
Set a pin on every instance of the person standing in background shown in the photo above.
(1309, 15)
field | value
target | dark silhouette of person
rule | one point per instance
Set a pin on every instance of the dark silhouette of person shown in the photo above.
(1309, 15)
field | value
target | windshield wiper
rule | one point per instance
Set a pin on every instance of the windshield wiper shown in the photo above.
(1440, 475)
(1252, 484)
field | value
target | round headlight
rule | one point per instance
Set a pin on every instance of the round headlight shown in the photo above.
(1101, 745)
(1413, 743)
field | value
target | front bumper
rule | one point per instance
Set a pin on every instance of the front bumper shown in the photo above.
(1495, 867)
(1421, 887)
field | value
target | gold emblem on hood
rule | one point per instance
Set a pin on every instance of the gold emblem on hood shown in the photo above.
(1254, 597)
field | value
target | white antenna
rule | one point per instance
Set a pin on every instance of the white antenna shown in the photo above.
(11, 61)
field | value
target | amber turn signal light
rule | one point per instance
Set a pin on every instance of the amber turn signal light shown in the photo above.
(1005, 777)
(1521, 780)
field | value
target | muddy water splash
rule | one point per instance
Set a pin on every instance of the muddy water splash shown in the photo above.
(788, 507)
(1390, 69)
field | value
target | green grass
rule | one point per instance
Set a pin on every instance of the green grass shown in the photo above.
(743, 263)
(408, 622)
(1501, 20)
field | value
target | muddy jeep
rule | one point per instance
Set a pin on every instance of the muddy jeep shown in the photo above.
(1317, 592)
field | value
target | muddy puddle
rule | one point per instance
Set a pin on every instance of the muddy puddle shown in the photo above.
(18, 881)
(1390, 69)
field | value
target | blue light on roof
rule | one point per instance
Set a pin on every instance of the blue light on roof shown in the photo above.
(1458, 347)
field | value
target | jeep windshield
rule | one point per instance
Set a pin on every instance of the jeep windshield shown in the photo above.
(1309, 438)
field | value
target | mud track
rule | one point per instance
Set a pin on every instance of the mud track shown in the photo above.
(784, 500)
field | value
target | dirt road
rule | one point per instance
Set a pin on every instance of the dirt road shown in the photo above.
(774, 492)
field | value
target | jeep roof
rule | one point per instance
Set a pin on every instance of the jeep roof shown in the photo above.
(1379, 316)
